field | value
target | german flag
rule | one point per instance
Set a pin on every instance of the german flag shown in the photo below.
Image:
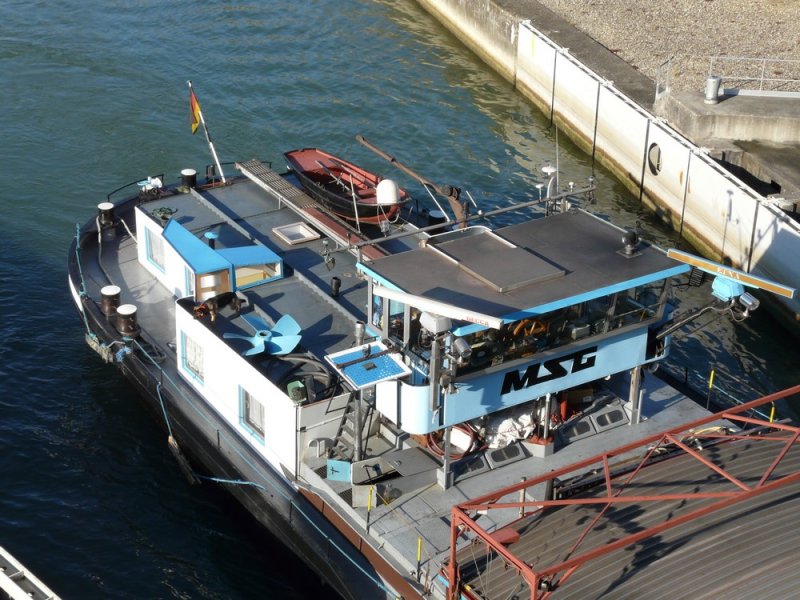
(194, 110)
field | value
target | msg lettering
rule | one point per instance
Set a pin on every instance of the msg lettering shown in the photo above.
(554, 368)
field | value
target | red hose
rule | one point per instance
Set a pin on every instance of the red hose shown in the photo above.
(434, 441)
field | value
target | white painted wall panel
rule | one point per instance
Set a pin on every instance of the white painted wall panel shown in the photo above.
(669, 182)
(535, 64)
(576, 95)
(621, 132)
(224, 371)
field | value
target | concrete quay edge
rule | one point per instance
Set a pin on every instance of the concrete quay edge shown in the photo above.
(756, 134)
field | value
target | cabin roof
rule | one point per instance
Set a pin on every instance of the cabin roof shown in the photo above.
(199, 256)
(524, 269)
(204, 259)
(249, 255)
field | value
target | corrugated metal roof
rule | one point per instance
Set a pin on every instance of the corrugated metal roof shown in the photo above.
(747, 550)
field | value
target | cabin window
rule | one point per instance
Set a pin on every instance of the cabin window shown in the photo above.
(188, 282)
(641, 303)
(394, 325)
(636, 306)
(154, 245)
(377, 311)
(254, 274)
(192, 357)
(251, 413)
(212, 284)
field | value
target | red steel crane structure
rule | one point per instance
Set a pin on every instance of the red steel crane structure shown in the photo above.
(541, 572)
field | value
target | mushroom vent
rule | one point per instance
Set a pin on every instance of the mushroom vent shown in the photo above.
(631, 240)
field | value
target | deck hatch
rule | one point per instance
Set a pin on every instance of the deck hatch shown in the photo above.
(498, 457)
(498, 262)
(295, 233)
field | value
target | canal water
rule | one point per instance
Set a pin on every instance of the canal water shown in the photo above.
(94, 96)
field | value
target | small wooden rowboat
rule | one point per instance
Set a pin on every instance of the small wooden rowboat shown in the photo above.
(346, 189)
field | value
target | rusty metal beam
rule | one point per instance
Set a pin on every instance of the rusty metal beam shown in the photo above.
(652, 439)
(533, 576)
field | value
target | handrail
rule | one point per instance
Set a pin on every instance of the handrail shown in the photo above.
(699, 384)
(741, 64)
(542, 579)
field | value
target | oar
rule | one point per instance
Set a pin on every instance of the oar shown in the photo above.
(450, 192)
(447, 190)
(353, 174)
(331, 174)
(344, 186)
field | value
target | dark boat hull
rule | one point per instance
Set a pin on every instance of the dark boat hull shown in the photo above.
(209, 442)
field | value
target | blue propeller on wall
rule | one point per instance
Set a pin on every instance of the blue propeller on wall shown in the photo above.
(278, 339)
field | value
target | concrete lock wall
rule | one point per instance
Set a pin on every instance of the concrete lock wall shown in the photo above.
(717, 213)
(486, 28)
(722, 217)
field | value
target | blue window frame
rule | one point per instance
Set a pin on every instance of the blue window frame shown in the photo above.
(154, 247)
(188, 277)
(251, 414)
(192, 361)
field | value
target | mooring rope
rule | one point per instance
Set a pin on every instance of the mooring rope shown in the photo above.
(163, 408)
(274, 485)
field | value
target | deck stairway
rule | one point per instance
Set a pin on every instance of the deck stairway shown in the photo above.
(306, 207)
(344, 447)
(390, 465)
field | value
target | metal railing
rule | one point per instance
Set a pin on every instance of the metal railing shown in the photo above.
(762, 76)
(699, 385)
(664, 79)
(690, 498)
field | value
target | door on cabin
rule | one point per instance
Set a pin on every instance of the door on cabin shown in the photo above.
(209, 285)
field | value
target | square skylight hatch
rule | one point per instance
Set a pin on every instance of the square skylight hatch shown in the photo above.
(295, 233)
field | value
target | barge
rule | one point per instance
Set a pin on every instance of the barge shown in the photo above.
(365, 392)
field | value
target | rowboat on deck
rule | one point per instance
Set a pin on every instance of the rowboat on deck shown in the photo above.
(349, 191)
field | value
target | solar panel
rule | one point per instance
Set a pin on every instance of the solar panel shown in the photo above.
(364, 366)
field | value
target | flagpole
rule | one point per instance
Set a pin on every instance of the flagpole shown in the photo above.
(208, 137)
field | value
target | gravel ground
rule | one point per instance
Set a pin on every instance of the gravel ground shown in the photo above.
(646, 33)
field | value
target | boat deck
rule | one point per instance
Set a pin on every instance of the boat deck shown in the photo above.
(425, 513)
(242, 214)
